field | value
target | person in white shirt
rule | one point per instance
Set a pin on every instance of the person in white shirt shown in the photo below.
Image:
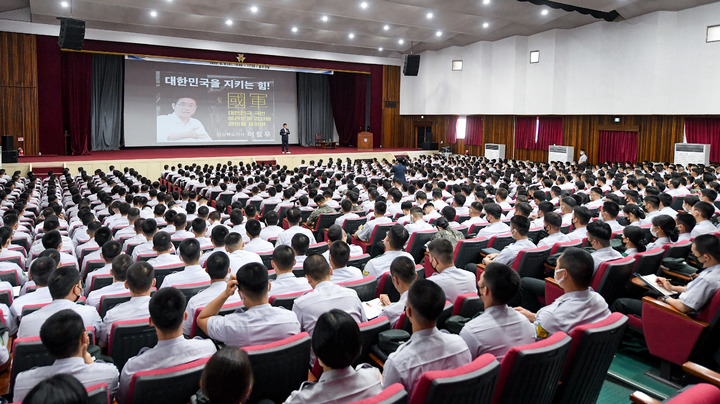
(634, 240)
(347, 213)
(293, 217)
(475, 211)
(596, 200)
(403, 274)
(581, 218)
(652, 206)
(198, 228)
(339, 256)
(665, 231)
(418, 221)
(582, 160)
(454, 281)
(703, 211)
(120, 265)
(217, 237)
(256, 243)
(598, 237)
(519, 227)
(193, 273)
(394, 241)
(364, 233)
(567, 205)
(110, 250)
(39, 275)
(180, 222)
(163, 247)
(609, 213)
(238, 255)
(553, 222)
(271, 229)
(685, 224)
(180, 125)
(493, 213)
(429, 211)
(283, 261)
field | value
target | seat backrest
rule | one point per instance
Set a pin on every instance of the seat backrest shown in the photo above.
(326, 220)
(317, 248)
(162, 271)
(531, 263)
(146, 256)
(476, 227)
(699, 393)
(10, 276)
(467, 305)
(560, 247)
(127, 338)
(707, 313)
(379, 232)
(107, 302)
(31, 308)
(416, 244)
(351, 225)
(192, 289)
(473, 383)
(393, 394)
(612, 278)
(279, 367)
(468, 250)
(100, 281)
(369, 332)
(364, 287)
(27, 354)
(595, 344)
(536, 367)
(501, 241)
(98, 394)
(285, 301)
(648, 262)
(359, 261)
(169, 385)
(6, 297)
(677, 250)
(92, 265)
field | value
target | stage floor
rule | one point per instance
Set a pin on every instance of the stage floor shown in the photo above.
(150, 161)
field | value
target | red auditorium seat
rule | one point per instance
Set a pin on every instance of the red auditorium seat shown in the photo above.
(170, 385)
(473, 383)
(393, 394)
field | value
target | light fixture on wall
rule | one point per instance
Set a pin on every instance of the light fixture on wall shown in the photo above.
(713, 33)
(617, 119)
(535, 56)
(457, 65)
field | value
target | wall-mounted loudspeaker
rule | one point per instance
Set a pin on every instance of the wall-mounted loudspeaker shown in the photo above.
(411, 65)
(72, 33)
(8, 143)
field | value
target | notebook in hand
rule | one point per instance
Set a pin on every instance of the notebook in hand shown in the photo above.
(651, 282)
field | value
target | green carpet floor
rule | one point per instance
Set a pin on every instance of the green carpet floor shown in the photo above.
(627, 374)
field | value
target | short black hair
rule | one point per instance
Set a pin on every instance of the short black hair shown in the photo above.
(334, 233)
(218, 234)
(494, 210)
(217, 265)
(167, 308)
(582, 214)
(62, 280)
(600, 231)
(284, 257)
(149, 227)
(316, 267)
(252, 279)
(102, 236)
(228, 366)
(442, 249)
(706, 209)
(553, 219)
(253, 227)
(41, 268)
(611, 208)
(59, 389)
(233, 240)
(340, 253)
(708, 244)
(140, 276)
(62, 332)
(427, 299)
(300, 243)
(52, 239)
(579, 264)
(503, 282)
(404, 268)
(293, 215)
(189, 250)
(162, 241)
(120, 265)
(110, 250)
(398, 236)
(336, 339)
(521, 224)
(198, 225)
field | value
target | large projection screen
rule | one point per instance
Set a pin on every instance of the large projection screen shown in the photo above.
(205, 103)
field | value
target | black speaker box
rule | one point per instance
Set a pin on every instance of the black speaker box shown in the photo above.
(72, 33)
(7, 142)
(9, 156)
(411, 65)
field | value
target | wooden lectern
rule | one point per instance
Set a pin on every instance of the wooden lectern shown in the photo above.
(365, 141)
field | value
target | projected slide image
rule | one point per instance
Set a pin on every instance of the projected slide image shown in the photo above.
(199, 108)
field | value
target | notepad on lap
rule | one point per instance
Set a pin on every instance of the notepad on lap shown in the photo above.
(651, 282)
(372, 308)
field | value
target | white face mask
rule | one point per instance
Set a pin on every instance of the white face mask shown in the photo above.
(653, 232)
(555, 275)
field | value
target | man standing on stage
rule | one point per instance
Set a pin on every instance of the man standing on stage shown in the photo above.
(284, 133)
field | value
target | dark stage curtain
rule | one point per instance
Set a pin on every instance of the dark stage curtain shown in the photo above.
(618, 146)
(452, 130)
(50, 103)
(77, 84)
(525, 132)
(550, 132)
(348, 92)
(474, 131)
(315, 112)
(106, 105)
(705, 131)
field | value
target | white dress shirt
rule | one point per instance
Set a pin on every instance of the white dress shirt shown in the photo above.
(191, 274)
(310, 306)
(257, 325)
(288, 283)
(202, 299)
(134, 309)
(30, 325)
(454, 282)
(496, 330)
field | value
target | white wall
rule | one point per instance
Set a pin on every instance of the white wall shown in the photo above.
(653, 64)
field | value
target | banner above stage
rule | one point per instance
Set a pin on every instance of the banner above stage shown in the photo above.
(233, 65)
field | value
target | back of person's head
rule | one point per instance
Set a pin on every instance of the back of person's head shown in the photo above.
(198, 225)
(300, 243)
(120, 265)
(687, 220)
(336, 339)
(553, 219)
(380, 208)
(635, 235)
(253, 228)
(52, 239)
(218, 234)
(110, 250)
(667, 224)
(284, 257)
(149, 227)
(316, 267)
(502, 281)
(61, 388)
(611, 208)
(334, 233)
(707, 244)
(102, 236)
(41, 268)
(62, 333)
(167, 308)
(600, 231)
(162, 241)
(397, 236)
(442, 250)
(705, 209)
(494, 210)
(140, 276)
(426, 299)
(293, 215)
(404, 269)
(579, 265)
(62, 281)
(229, 366)
(189, 250)
(340, 253)
(217, 265)
(521, 224)
(272, 218)
(582, 214)
(252, 279)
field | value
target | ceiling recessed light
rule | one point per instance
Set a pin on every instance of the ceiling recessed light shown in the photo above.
(254, 9)
(486, 2)
(351, 35)
(380, 49)
(324, 18)
(486, 24)
(228, 22)
(294, 29)
(439, 33)
(386, 27)
(364, 4)
(544, 12)
(429, 16)
(401, 41)
(65, 4)
(153, 13)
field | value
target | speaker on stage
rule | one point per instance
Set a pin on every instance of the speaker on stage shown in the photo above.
(411, 65)
(9, 156)
(8, 142)
(72, 33)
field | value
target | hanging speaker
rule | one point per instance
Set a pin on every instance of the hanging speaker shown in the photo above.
(411, 65)
(72, 33)
(8, 142)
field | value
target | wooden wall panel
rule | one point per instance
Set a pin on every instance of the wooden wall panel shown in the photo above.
(18, 89)
(393, 128)
(498, 129)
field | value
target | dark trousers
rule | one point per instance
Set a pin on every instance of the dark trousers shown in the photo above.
(530, 289)
(285, 147)
(627, 306)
